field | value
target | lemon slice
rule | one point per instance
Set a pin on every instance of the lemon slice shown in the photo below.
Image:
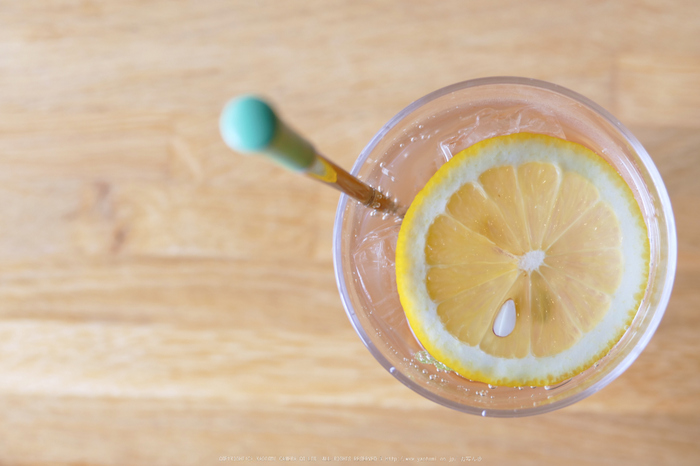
(522, 261)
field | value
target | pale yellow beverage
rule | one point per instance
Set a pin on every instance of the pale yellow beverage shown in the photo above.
(404, 157)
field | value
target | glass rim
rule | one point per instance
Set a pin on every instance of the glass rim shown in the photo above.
(670, 231)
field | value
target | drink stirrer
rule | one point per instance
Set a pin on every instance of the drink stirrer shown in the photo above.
(249, 125)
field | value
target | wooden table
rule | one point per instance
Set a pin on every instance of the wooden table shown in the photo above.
(164, 301)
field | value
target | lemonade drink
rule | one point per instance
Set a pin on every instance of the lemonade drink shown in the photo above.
(405, 155)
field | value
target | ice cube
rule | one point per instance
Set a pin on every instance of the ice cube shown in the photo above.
(489, 122)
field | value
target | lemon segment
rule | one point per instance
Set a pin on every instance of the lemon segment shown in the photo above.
(539, 184)
(534, 219)
(607, 263)
(517, 343)
(481, 301)
(596, 228)
(576, 196)
(446, 282)
(472, 208)
(501, 185)
(553, 329)
(586, 305)
(450, 242)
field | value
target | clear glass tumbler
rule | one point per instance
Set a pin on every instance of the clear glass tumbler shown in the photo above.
(401, 158)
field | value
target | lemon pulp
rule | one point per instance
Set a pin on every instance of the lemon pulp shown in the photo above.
(532, 219)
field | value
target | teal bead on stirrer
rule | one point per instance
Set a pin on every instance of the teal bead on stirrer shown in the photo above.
(250, 126)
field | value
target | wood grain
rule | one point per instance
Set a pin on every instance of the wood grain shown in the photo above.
(164, 301)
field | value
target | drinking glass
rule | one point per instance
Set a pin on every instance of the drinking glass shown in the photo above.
(402, 157)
